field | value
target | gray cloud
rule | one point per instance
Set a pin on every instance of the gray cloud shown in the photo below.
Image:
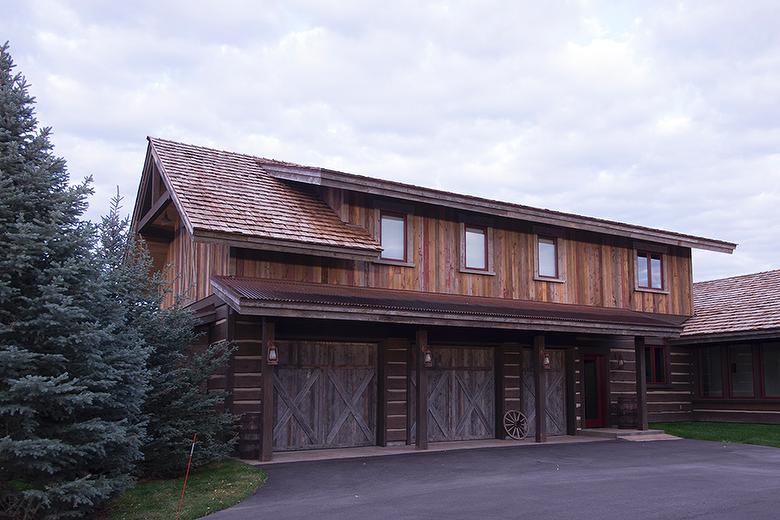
(663, 114)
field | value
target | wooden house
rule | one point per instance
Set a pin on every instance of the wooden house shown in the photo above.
(733, 341)
(370, 312)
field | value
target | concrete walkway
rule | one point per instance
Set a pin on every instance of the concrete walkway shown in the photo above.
(288, 457)
(610, 480)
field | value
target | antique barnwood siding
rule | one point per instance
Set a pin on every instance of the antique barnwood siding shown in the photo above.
(598, 270)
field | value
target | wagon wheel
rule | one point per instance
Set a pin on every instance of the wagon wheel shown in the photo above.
(515, 425)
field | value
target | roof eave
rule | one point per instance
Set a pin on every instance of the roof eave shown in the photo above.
(335, 179)
(718, 337)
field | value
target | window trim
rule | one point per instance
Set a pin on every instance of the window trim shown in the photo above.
(408, 237)
(466, 265)
(648, 253)
(559, 267)
(402, 216)
(762, 347)
(488, 233)
(667, 375)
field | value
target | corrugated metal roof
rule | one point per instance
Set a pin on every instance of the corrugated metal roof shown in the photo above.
(737, 304)
(267, 290)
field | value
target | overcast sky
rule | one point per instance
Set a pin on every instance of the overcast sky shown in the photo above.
(665, 114)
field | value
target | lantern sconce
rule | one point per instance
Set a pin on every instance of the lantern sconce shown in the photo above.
(620, 361)
(273, 355)
(546, 363)
(427, 358)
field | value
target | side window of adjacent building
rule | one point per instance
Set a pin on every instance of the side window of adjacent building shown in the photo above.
(649, 270)
(656, 363)
(392, 236)
(770, 369)
(711, 372)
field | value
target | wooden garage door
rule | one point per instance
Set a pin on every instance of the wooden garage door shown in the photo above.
(461, 394)
(555, 384)
(324, 395)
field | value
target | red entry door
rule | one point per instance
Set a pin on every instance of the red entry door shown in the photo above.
(594, 391)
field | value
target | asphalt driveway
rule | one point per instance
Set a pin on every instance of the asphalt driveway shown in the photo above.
(604, 480)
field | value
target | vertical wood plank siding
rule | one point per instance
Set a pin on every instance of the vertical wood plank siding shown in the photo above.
(598, 270)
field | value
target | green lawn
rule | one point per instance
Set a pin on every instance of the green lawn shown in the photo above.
(762, 434)
(209, 489)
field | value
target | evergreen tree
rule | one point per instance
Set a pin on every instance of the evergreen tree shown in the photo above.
(177, 404)
(72, 376)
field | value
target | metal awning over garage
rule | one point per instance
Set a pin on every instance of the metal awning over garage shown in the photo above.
(267, 297)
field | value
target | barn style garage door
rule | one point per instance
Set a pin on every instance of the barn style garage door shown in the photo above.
(555, 385)
(461, 395)
(325, 395)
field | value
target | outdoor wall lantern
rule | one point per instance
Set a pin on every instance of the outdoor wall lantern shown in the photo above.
(620, 361)
(273, 355)
(546, 361)
(427, 358)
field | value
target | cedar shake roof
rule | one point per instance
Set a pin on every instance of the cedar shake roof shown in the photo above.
(730, 306)
(229, 193)
(237, 194)
(282, 298)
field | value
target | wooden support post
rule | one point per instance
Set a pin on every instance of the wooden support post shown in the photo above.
(498, 384)
(267, 444)
(571, 393)
(540, 389)
(641, 382)
(421, 344)
(230, 369)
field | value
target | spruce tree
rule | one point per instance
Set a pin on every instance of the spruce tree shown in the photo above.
(177, 404)
(72, 377)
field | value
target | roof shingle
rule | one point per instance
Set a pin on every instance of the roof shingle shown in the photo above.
(228, 192)
(738, 304)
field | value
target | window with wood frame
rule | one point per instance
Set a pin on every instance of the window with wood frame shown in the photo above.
(656, 363)
(741, 371)
(392, 236)
(547, 257)
(649, 270)
(475, 243)
(711, 372)
(770, 370)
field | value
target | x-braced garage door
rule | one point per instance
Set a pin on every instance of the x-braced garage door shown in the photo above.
(461, 395)
(325, 395)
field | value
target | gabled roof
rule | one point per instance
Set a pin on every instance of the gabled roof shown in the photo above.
(228, 196)
(740, 306)
(269, 297)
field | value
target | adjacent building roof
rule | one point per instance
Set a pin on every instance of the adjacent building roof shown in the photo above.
(221, 194)
(269, 297)
(740, 306)
(229, 195)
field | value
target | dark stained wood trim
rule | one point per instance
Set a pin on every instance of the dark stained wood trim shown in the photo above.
(381, 409)
(421, 343)
(571, 393)
(539, 388)
(499, 389)
(747, 335)
(267, 444)
(285, 246)
(157, 207)
(335, 179)
(231, 365)
(641, 382)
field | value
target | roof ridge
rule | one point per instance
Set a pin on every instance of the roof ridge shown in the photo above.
(748, 275)
(228, 152)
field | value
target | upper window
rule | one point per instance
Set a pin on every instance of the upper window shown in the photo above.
(476, 248)
(649, 270)
(655, 365)
(392, 235)
(547, 253)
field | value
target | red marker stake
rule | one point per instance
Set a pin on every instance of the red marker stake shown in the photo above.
(186, 475)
